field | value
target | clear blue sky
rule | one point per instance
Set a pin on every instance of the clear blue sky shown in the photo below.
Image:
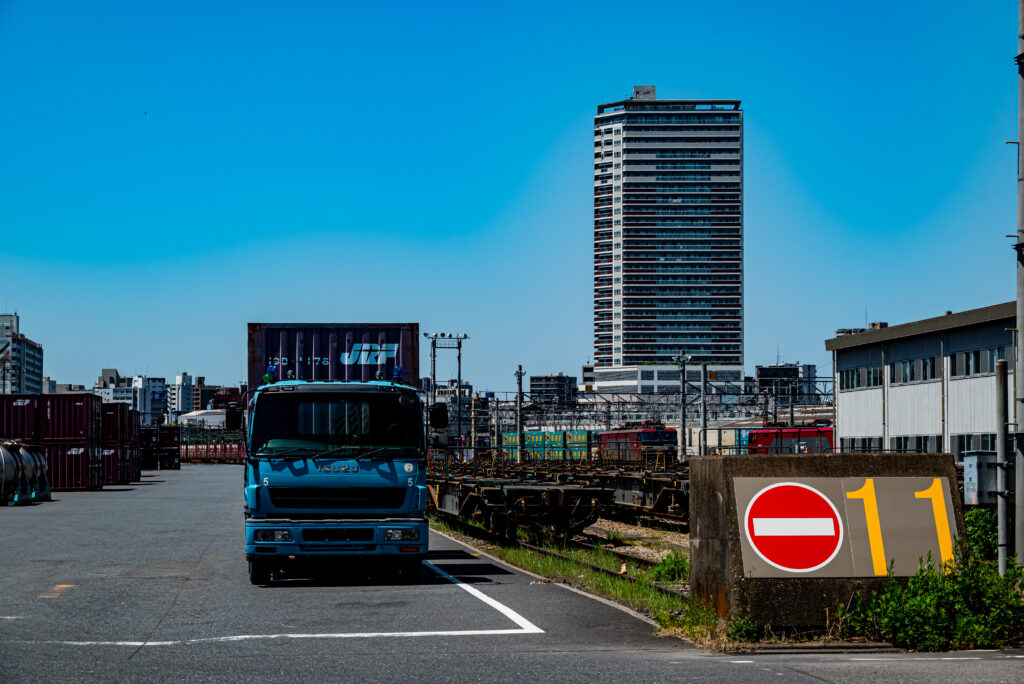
(169, 171)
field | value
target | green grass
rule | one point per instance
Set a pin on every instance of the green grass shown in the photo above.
(673, 613)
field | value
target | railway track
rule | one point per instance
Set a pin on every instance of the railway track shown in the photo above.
(483, 535)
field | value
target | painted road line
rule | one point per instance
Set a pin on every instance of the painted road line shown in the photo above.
(527, 626)
(56, 591)
(524, 627)
(794, 527)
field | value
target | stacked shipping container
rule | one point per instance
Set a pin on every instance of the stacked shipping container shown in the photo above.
(169, 447)
(87, 443)
(115, 444)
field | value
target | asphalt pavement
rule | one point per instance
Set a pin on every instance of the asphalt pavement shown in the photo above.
(148, 582)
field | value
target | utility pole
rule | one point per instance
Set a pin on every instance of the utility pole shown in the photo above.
(519, 413)
(433, 370)
(1018, 366)
(704, 408)
(681, 359)
(458, 395)
(1002, 522)
(792, 399)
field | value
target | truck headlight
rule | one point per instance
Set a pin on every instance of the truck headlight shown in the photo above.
(404, 534)
(272, 536)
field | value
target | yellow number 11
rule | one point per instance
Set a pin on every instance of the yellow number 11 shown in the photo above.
(934, 492)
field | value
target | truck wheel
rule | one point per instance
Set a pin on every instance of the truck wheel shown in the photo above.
(259, 572)
(410, 570)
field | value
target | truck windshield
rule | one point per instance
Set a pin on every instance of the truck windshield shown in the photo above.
(294, 423)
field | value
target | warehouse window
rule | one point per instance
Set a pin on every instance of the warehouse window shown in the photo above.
(913, 370)
(856, 378)
(978, 361)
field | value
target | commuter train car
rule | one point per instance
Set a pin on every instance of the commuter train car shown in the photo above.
(791, 440)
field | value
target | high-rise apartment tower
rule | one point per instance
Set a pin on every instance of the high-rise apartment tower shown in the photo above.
(668, 230)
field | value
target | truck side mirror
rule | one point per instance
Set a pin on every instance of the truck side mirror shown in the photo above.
(439, 416)
(438, 440)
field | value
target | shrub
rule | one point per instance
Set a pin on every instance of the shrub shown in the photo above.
(982, 531)
(675, 567)
(967, 604)
(743, 628)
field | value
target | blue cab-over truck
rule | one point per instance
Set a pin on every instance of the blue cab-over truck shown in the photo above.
(335, 471)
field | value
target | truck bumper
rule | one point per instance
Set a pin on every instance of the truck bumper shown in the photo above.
(310, 538)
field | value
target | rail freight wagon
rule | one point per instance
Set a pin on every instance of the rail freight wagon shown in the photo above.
(354, 352)
(791, 440)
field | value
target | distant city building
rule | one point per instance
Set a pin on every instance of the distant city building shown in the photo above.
(788, 381)
(448, 393)
(665, 379)
(150, 399)
(668, 230)
(204, 418)
(49, 386)
(208, 397)
(179, 397)
(114, 388)
(586, 379)
(557, 389)
(21, 359)
(925, 386)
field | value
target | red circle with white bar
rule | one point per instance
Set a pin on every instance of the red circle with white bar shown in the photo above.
(793, 527)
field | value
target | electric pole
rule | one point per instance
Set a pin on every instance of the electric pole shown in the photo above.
(681, 359)
(519, 412)
(1018, 366)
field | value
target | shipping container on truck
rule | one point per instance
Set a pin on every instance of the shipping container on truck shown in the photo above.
(354, 352)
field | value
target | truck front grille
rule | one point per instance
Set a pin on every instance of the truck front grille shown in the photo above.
(339, 534)
(344, 498)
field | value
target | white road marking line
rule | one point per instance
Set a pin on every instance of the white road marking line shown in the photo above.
(794, 527)
(525, 627)
(10, 617)
(741, 661)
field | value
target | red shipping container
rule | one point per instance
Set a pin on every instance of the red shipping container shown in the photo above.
(115, 423)
(334, 351)
(74, 465)
(168, 435)
(170, 458)
(115, 465)
(19, 416)
(73, 417)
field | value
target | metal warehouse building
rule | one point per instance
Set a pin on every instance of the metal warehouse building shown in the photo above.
(923, 386)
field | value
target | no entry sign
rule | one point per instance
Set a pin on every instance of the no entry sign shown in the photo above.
(793, 527)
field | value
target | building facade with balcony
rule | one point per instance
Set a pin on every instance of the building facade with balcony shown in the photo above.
(21, 359)
(668, 231)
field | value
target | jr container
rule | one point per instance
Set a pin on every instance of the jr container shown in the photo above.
(75, 465)
(19, 416)
(334, 351)
(72, 417)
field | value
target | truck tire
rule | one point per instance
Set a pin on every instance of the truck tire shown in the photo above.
(259, 572)
(410, 570)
